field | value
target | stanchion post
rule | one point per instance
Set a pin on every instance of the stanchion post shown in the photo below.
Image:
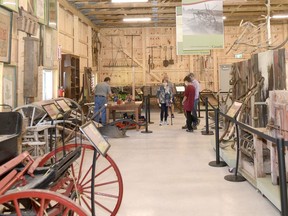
(282, 176)
(206, 132)
(217, 163)
(148, 107)
(236, 177)
(146, 116)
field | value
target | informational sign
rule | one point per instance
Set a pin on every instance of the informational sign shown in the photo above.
(63, 105)
(94, 136)
(203, 26)
(52, 111)
(234, 109)
(179, 37)
(180, 89)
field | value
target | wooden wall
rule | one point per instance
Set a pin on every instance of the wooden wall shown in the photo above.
(74, 37)
(116, 52)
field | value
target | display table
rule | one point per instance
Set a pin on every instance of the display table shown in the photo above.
(134, 107)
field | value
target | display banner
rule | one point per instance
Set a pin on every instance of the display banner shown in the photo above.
(179, 37)
(203, 26)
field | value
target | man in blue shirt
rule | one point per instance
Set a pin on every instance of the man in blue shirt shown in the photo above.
(101, 92)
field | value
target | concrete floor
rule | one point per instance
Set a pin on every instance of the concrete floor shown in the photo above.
(166, 173)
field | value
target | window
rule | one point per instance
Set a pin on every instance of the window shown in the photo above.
(47, 85)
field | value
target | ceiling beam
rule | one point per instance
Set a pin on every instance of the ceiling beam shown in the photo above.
(68, 6)
(103, 5)
(252, 9)
(104, 14)
(159, 16)
(225, 2)
(136, 11)
(126, 23)
(120, 25)
(252, 3)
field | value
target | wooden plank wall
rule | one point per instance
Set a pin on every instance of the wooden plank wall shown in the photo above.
(66, 31)
(205, 67)
(74, 36)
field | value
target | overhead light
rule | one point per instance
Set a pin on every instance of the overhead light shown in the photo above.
(280, 16)
(128, 1)
(140, 19)
(224, 17)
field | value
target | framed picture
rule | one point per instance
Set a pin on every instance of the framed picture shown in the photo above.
(5, 36)
(9, 85)
(40, 10)
(52, 14)
(11, 4)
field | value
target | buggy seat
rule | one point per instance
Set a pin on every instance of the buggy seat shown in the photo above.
(10, 130)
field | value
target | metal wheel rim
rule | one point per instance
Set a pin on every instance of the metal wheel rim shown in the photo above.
(87, 175)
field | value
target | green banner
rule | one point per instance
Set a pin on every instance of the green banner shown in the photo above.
(179, 37)
(202, 24)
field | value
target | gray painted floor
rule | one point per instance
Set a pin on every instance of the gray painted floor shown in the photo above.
(167, 173)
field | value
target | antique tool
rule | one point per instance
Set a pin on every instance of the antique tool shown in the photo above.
(152, 65)
(229, 131)
(165, 62)
(171, 61)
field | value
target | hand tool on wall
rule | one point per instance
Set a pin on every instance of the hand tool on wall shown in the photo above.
(165, 62)
(171, 61)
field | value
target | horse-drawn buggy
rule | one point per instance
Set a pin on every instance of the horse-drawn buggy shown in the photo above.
(72, 174)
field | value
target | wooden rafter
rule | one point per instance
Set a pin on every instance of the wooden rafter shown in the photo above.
(130, 5)
(103, 13)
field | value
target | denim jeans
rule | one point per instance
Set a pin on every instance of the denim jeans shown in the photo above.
(164, 112)
(99, 102)
(194, 112)
(189, 120)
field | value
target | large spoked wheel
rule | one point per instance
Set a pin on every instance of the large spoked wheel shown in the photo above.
(77, 110)
(39, 203)
(108, 186)
(32, 114)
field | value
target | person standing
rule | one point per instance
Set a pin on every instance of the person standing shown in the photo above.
(164, 98)
(188, 102)
(172, 88)
(101, 92)
(196, 84)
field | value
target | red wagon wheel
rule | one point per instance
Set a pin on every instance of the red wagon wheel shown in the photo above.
(108, 181)
(39, 203)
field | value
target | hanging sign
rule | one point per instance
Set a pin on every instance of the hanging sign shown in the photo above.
(203, 26)
(179, 37)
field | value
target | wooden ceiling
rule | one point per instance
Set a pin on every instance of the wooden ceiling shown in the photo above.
(105, 14)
